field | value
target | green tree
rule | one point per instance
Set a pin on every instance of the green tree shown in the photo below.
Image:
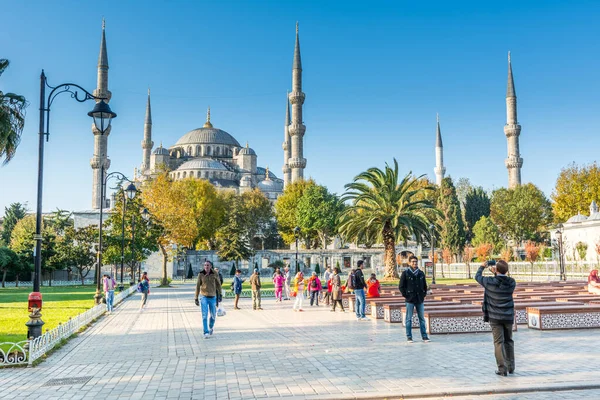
(452, 230)
(463, 187)
(232, 237)
(317, 213)
(23, 244)
(485, 231)
(12, 214)
(380, 200)
(12, 119)
(522, 213)
(257, 214)
(9, 262)
(576, 187)
(75, 249)
(286, 210)
(477, 205)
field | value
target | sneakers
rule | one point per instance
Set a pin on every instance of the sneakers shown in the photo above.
(259, 308)
(358, 318)
(300, 310)
(210, 332)
(426, 340)
(206, 336)
(409, 340)
(365, 319)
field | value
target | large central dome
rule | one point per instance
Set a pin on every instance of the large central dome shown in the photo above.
(207, 136)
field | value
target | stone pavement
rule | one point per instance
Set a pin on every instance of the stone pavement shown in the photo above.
(160, 353)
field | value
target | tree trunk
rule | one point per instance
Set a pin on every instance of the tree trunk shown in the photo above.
(17, 280)
(468, 270)
(389, 243)
(3, 277)
(164, 281)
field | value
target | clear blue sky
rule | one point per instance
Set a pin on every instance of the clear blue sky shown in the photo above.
(375, 74)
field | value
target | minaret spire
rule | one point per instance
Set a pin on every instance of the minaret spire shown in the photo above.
(147, 142)
(207, 124)
(512, 130)
(296, 129)
(439, 169)
(100, 162)
(287, 148)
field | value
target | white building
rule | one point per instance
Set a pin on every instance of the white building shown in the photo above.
(581, 229)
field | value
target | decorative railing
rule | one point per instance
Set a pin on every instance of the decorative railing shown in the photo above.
(47, 283)
(248, 293)
(27, 351)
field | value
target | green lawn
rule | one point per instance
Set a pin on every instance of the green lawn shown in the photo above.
(60, 303)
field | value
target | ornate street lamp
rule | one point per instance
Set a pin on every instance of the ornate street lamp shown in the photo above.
(297, 236)
(432, 240)
(128, 193)
(561, 262)
(103, 116)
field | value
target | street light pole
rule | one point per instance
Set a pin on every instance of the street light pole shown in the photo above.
(297, 235)
(561, 263)
(432, 237)
(102, 114)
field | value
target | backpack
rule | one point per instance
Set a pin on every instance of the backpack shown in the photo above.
(351, 282)
(139, 288)
(313, 284)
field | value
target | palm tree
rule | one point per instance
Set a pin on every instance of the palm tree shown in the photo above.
(12, 119)
(392, 210)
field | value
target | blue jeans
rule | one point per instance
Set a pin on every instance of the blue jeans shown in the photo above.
(360, 302)
(421, 314)
(110, 298)
(208, 304)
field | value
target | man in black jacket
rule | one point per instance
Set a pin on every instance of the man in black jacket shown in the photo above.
(360, 299)
(500, 310)
(413, 287)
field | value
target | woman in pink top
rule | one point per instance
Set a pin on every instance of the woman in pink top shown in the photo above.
(314, 288)
(108, 283)
(278, 281)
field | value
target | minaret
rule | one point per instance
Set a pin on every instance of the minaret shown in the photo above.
(147, 143)
(100, 162)
(512, 130)
(297, 162)
(287, 149)
(439, 169)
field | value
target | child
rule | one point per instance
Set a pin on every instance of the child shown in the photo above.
(299, 289)
(373, 287)
(278, 280)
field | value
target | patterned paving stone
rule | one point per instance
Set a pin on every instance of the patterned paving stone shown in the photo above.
(276, 353)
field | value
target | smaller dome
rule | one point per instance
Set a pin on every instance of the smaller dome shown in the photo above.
(161, 151)
(202, 163)
(594, 217)
(247, 151)
(577, 218)
(269, 186)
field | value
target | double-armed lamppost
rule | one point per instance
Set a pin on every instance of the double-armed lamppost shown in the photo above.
(297, 236)
(128, 193)
(432, 240)
(102, 115)
(561, 261)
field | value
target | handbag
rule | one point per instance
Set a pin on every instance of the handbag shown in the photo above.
(294, 294)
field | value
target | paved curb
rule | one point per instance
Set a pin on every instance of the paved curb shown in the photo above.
(457, 393)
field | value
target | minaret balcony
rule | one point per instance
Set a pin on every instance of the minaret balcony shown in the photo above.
(512, 130)
(297, 129)
(147, 144)
(285, 145)
(296, 162)
(513, 162)
(297, 97)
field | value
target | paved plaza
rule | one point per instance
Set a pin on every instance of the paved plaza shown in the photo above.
(276, 353)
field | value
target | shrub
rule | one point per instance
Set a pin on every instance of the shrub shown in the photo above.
(318, 269)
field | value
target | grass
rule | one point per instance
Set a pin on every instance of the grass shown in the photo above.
(60, 303)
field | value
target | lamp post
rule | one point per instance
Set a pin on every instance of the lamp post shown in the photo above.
(432, 239)
(146, 218)
(103, 182)
(561, 263)
(102, 115)
(297, 235)
(128, 193)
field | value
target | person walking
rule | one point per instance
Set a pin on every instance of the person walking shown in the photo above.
(255, 282)
(413, 287)
(299, 286)
(314, 288)
(220, 311)
(236, 286)
(108, 284)
(326, 286)
(287, 282)
(278, 281)
(207, 285)
(336, 289)
(144, 289)
(499, 310)
(359, 291)
(373, 287)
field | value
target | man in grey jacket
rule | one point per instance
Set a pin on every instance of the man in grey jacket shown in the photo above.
(499, 308)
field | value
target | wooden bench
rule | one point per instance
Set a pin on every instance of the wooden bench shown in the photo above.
(457, 321)
(441, 307)
(564, 317)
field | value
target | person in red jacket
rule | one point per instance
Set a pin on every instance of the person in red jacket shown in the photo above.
(373, 287)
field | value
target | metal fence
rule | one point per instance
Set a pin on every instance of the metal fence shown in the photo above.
(47, 283)
(27, 351)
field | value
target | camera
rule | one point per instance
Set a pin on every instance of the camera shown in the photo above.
(491, 263)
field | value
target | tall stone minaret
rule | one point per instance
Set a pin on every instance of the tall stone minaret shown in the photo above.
(512, 130)
(100, 162)
(297, 162)
(147, 143)
(439, 169)
(287, 149)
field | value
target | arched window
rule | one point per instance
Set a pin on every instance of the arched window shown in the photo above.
(197, 151)
(206, 174)
(184, 173)
(208, 150)
(198, 175)
(217, 151)
(189, 151)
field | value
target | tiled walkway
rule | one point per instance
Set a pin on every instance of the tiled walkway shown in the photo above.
(160, 353)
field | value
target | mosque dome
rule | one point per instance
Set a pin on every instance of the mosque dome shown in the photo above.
(202, 163)
(577, 218)
(207, 136)
(161, 151)
(269, 186)
(247, 151)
